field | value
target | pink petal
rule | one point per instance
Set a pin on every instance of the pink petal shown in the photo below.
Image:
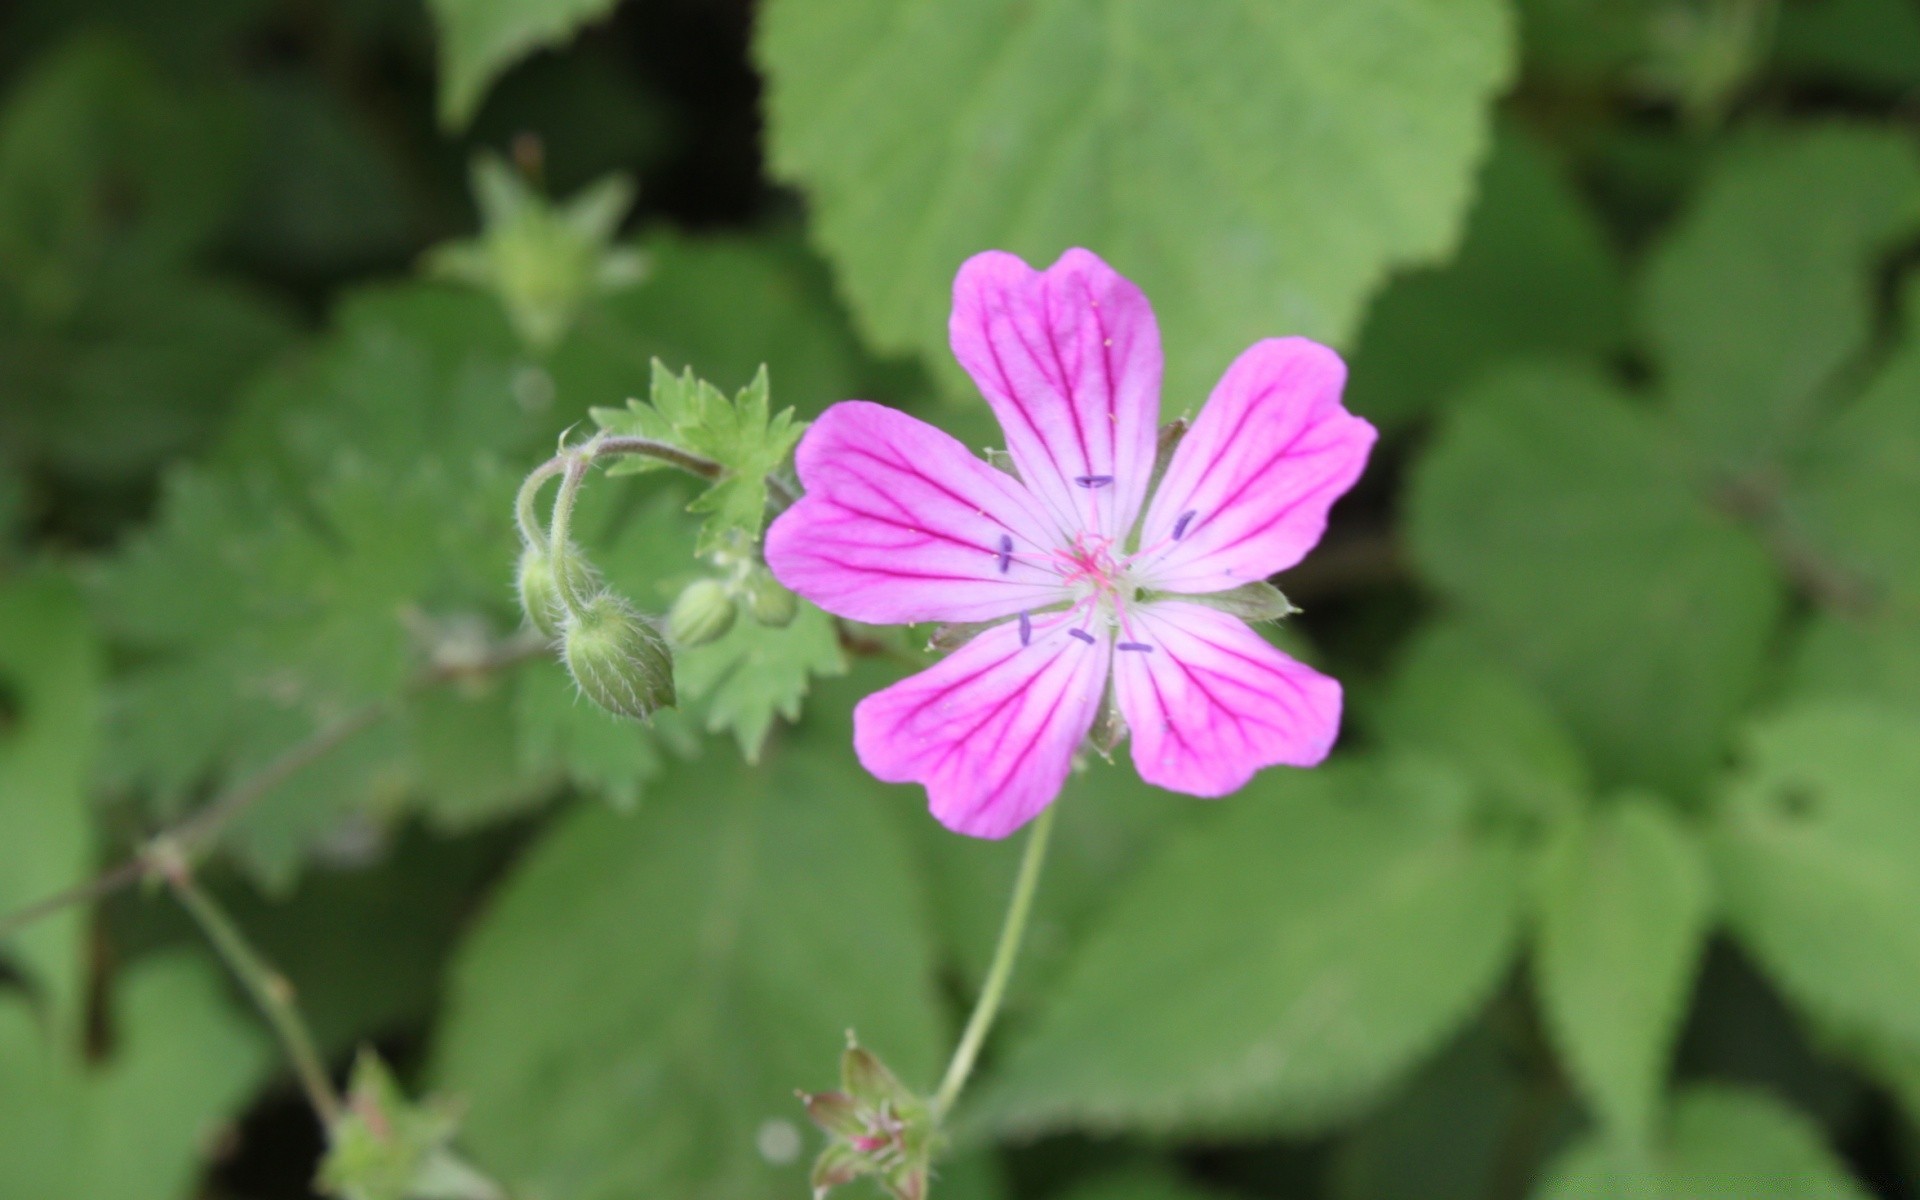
(1212, 702)
(990, 730)
(901, 524)
(1069, 359)
(1248, 490)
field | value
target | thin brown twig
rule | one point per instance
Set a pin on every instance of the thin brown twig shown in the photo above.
(194, 834)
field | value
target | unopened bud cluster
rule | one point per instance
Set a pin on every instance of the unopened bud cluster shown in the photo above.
(621, 659)
(875, 1127)
(708, 608)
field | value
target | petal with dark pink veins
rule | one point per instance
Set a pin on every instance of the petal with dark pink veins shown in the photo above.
(1069, 359)
(1213, 702)
(991, 729)
(900, 524)
(1247, 492)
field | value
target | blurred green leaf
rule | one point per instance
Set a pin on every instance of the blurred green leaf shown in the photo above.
(1865, 43)
(1140, 1184)
(140, 1125)
(633, 1013)
(1858, 485)
(1277, 966)
(1454, 702)
(1623, 919)
(1450, 1134)
(1763, 290)
(1724, 1144)
(1257, 167)
(1814, 847)
(100, 159)
(49, 712)
(480, 39)
(1564, 525)
(1534, 275)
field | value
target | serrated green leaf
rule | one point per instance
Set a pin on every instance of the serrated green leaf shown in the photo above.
(1454, 702)
(1819, 834)
(1564, 524)
(1623, 919)
(1747, 340)
(1277, 966)
(480, 39)
(742, 435)
(1724, 1143)
(137, 1127)
(1534, 276)
(755, 673)
(1256, 166)
(716, 949)
(50, 692)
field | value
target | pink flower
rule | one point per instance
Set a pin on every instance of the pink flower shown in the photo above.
(901, 524)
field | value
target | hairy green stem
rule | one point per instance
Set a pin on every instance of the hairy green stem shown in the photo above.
(269, 989)
(995, 988)
(529, 492)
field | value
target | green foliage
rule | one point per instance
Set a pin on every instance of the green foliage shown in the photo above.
(1626, 610)
(1818, 833)
(715, 951)
(1255, 166)
(1534, 276)
(1623, 909)
(1563, 523)
(1723, 1143)
(50, 680)
(1748, 343)
(742, 435)
(134, 1127)
(1277, 966)
(480, 39)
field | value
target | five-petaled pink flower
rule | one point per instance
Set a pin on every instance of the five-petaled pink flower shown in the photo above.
(900, 524)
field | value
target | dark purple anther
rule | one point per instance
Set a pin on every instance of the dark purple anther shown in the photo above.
(1093, 481)
(1180, 526)
(1026, 628)
(1006, 552)
(1083, 635)
(1142, 646)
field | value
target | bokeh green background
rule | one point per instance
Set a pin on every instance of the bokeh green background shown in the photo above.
(1611, 890)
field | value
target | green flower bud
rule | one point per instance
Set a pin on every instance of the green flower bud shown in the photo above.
(618, 658)
(702, 614)
(769, 603)
(539, 583)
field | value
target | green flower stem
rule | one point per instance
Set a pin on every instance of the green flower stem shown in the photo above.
(576, 466)
(995, 988)
(269, 989)
(529, 491)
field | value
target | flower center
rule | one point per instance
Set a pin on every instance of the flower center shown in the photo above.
(1090, 568)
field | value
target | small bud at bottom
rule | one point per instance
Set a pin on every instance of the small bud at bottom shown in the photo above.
(703, 613)
(539, 583)
(769, 603)
(619, 660)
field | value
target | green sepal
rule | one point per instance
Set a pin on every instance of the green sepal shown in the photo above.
(1250, 601)
(386, 1147)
